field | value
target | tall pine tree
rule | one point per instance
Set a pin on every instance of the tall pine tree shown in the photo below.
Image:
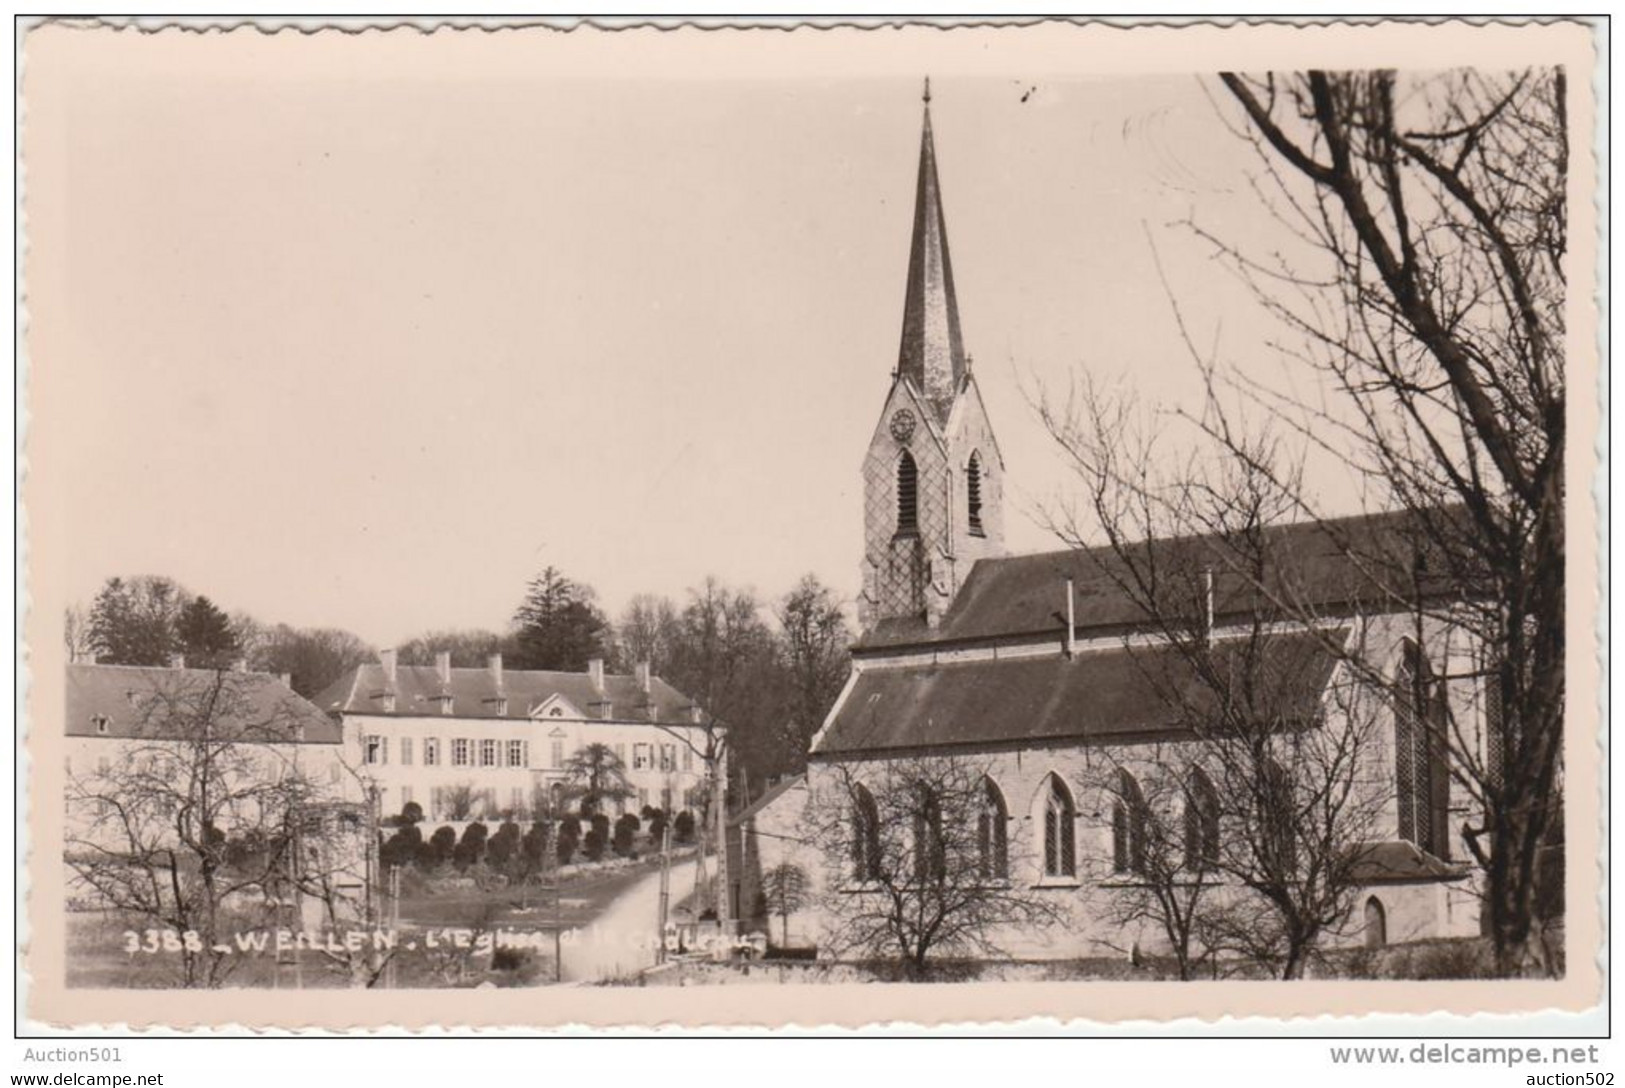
(558, 624)
(205, 635)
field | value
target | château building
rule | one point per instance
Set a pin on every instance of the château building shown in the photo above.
(487, 743)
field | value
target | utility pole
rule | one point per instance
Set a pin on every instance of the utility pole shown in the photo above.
(552, 864)
(665, 892)
(724, 909)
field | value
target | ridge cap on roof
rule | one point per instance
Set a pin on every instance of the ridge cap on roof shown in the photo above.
(1190, 538)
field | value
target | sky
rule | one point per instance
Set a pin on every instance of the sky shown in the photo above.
(364, 331)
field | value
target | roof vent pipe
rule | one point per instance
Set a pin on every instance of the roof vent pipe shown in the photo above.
(1071, 621)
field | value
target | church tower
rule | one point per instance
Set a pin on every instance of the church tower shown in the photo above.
(933, 479)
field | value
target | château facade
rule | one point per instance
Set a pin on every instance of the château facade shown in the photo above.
(490, 743)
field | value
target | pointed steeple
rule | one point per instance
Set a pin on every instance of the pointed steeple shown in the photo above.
(932, 354)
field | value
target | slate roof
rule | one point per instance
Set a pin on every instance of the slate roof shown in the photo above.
(1397, 861)
(1326, 566)
(1119, 693)
(475, 694)
(167, 703)
(774, 792)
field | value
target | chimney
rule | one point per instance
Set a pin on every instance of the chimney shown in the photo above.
(442, 665)
(595, 670)
(286, 678)
(177, 661)
(696, 715)
(493, 665)
(642, 671)
(1071, 620)
(386, 658)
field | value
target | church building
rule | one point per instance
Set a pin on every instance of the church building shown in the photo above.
(1045, 676)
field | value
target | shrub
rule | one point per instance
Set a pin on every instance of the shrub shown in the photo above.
(657, 827)
(503, 846)
(684, 826)
(411, 813)
(569, 839)
(442, 843)
(648, 812)
(623, 837)
(600, 824)
(533, 847)
(593, 848)
(402, 848)
(475, 836)
(465, 854)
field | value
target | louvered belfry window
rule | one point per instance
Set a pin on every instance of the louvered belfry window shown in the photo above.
(973, 492)
(908, 495)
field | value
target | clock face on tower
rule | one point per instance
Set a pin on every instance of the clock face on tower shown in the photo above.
(902, 425)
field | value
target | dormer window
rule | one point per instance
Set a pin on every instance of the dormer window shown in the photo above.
(908, 495)
(973, 494)
(500, 707)
(388, 699)
(445, 702)
(100, 721)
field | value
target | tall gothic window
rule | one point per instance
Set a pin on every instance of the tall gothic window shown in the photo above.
(1495, 730)
(865, 835)
(1059, 817)
(992, 829)
(1419, 735)
(1278, 820)
(930, 850)
(973, 492)
(1129, 814)
(1201, 822)
(908, 495)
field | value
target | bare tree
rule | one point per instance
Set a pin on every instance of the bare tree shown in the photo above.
(1435, 206)
(458, 801)
(1166, 818)
(815, 638)
(76, 634)
(647, 631)
(194, 821)
(912, 876)
(1246, 659)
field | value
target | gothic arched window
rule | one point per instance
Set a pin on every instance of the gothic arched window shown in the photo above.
(1278, 820)
(1129, 815)
(1060, 815)
(1201, 821)
(973, 493)
(908, 495)
(1419, 736)
(930, 849)
(865, 835)
(992, 829)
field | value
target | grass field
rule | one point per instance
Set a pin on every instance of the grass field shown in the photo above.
(427, 951)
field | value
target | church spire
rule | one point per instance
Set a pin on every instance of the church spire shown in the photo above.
(931, 355)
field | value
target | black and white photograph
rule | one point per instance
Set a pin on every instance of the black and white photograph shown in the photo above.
(773, 526)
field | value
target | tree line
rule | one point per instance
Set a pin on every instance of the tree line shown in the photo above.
(767, 669)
